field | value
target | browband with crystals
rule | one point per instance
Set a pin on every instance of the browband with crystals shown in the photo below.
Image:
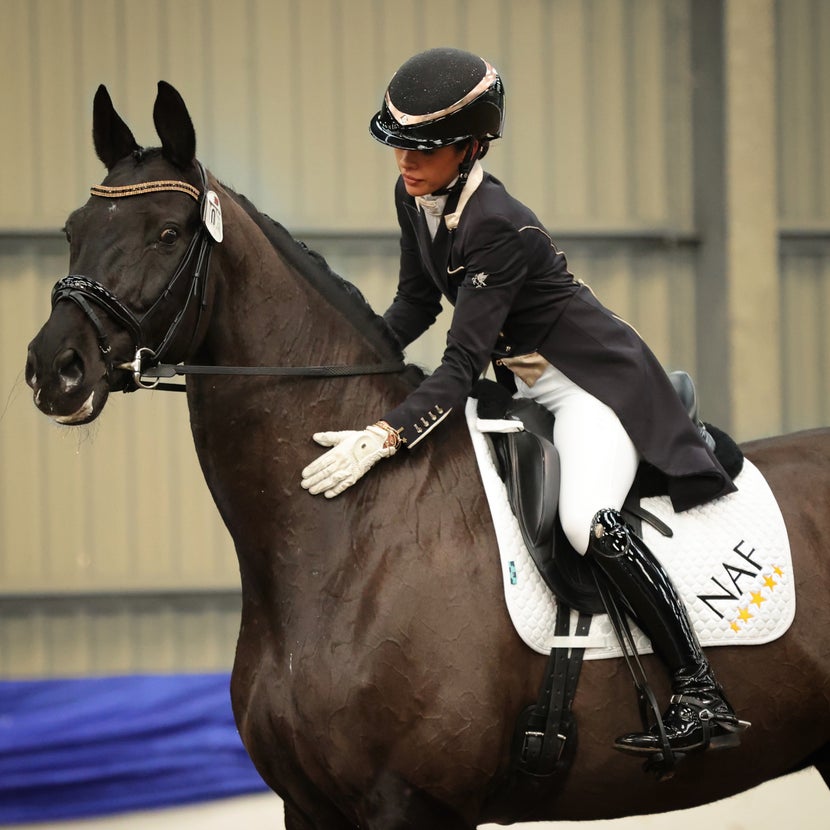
(145, 187)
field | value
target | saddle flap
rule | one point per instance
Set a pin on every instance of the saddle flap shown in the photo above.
(531, 465)
(530, 469)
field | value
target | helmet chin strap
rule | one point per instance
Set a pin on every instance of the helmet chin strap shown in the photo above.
(473, 149)
(470, 156)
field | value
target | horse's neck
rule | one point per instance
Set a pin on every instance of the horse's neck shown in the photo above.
(266, 313)
(253, 435)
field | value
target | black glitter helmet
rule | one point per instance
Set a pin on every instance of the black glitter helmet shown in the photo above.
(440, 97)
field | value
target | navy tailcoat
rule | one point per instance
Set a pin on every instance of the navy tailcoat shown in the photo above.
(512, 294)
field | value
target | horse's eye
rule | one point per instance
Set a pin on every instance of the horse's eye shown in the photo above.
(169, 235)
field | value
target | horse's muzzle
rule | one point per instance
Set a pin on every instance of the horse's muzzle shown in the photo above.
(61, 386)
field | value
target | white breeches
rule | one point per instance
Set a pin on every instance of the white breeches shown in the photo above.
(598, 460)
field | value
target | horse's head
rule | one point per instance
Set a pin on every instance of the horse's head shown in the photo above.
(135, 247)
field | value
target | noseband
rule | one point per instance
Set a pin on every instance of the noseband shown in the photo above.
(88, 294)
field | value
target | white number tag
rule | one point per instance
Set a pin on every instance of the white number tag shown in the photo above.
(212, 215)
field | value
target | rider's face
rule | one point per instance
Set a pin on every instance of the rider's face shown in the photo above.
(425, 171)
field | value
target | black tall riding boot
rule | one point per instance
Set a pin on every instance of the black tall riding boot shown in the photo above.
(699, 716)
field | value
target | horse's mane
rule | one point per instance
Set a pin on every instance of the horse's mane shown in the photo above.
(313, 267)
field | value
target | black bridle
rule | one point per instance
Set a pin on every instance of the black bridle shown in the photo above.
(88, 294)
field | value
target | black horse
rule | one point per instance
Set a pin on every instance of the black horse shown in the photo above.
(377, 677)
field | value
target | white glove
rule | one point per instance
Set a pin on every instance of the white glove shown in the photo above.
(353, 454)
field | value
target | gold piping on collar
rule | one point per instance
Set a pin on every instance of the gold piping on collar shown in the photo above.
(475, 178)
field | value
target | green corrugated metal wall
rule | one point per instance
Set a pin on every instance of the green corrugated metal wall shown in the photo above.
(113, 557)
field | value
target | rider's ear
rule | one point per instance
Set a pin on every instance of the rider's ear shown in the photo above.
(112, 137)
(173, 124)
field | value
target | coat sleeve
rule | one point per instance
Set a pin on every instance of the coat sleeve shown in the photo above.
(495, 269)
(417, 301)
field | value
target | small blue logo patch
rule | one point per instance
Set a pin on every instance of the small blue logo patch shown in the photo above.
(512, 567)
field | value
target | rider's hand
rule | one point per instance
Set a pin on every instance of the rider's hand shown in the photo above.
(352, 454)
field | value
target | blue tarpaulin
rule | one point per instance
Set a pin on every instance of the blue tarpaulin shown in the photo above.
(95, 746)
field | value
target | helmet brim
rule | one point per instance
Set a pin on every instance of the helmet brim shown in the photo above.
(393, 138)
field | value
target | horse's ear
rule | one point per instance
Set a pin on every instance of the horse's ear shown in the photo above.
(112, 137)
(173, 124)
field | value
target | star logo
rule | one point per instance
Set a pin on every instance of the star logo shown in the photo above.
(757, 598)
(767, 583)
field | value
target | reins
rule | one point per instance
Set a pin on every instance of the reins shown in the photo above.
(147, 362)
(169, 370)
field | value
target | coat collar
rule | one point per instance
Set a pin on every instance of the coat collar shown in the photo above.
(451, 219)
(435, 253)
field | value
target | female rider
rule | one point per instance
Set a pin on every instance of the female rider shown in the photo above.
(464, 237)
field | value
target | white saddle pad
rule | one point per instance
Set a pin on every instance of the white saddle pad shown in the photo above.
(730, 560)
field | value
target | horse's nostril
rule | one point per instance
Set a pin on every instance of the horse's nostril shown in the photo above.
(69, 368)
(31, 369)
